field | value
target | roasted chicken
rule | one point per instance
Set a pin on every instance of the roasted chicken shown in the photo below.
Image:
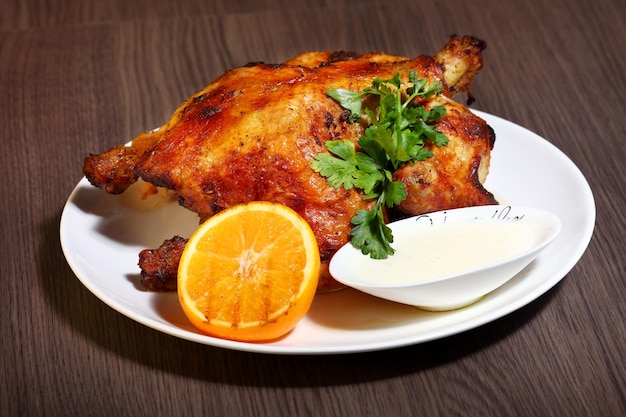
(253, 132)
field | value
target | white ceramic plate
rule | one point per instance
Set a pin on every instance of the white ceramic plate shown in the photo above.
(102, 234)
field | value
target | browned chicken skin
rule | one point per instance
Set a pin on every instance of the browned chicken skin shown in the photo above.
(253, 132)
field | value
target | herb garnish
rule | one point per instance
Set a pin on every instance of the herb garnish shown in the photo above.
(395, 135)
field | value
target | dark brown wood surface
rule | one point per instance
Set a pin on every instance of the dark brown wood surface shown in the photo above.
(81, 76)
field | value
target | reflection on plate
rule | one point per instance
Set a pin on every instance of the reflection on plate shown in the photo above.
(102, 234)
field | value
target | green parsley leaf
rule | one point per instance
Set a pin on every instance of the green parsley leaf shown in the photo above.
(371, 235)
(369, 174)
(341, 170)
(395, 193)
(349, 100)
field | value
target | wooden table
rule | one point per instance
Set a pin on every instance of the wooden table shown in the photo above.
(80, 77)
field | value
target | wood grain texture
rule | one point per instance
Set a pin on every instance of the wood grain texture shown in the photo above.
(78, 77)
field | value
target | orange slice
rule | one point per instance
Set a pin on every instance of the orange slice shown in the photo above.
(249, 273)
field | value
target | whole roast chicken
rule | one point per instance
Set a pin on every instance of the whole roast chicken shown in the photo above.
(253, 132)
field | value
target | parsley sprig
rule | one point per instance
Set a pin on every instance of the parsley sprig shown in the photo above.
(396, 133)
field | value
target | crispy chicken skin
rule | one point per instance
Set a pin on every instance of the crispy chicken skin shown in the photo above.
(253, 132)
(159, 267)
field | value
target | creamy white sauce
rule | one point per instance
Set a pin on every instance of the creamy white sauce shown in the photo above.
(447, 249)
